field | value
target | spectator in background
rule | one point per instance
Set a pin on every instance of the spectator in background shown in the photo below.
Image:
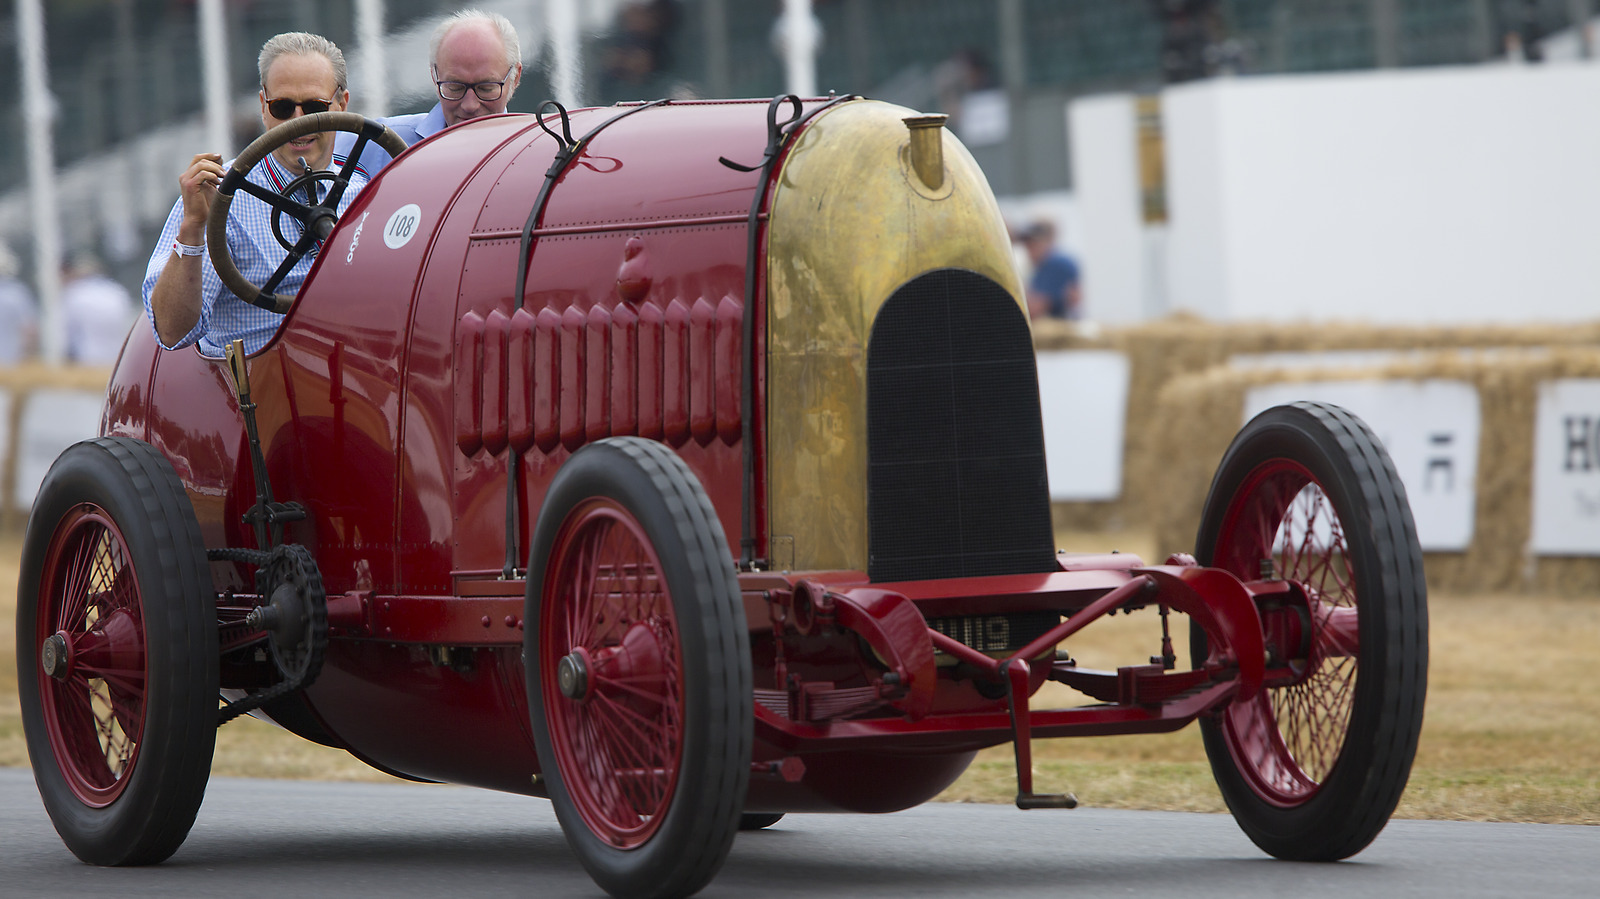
(637, 51)
(1192, 43)
(1053, 287)
(955, 80)
(19, 315)
(476, 62)
(95, 312)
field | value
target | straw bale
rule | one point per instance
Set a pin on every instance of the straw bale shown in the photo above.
(1200, 412)
(1183, 344)
(20, 378)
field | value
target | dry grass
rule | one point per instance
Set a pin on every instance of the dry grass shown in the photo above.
(1513, 718)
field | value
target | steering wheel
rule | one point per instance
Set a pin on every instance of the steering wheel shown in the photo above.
(317, 220)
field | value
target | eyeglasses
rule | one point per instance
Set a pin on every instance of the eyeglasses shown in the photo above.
(486, 90)
(283, 107)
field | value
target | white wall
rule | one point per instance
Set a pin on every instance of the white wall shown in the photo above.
(1413, 196)
(1105, 160)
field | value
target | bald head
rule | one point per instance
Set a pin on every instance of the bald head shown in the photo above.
(480, 51)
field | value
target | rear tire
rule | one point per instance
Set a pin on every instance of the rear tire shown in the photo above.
(638, 667)
(1313, 769)
(115, 598)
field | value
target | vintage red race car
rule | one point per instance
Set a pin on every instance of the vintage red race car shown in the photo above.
(680, 462)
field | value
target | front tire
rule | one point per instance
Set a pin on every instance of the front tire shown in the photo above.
(638, 668)
(117, 653)
(1313, 766)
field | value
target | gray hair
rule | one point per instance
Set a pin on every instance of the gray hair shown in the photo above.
(501, 24)
(300, 43)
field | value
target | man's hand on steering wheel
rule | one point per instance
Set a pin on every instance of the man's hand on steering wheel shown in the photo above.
(198, 186)
(317, 220)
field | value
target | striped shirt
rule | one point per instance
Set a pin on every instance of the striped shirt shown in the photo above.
(256, 252)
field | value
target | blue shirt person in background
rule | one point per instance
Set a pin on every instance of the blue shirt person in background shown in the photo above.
(185, 300)
(476, 63)
(1053, 288)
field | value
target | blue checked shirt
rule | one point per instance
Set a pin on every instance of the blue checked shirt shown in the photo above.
(223, 316)
(411, 129)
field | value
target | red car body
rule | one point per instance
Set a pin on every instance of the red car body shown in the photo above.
(694, 279)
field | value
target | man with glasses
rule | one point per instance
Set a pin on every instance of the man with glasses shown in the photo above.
(185, 300)
(475, 60)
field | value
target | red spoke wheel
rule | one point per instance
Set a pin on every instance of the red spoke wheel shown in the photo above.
(1314, 765)
(117, 653)
(638, 667)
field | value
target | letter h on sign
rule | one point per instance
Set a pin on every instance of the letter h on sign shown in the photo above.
(1583, 442)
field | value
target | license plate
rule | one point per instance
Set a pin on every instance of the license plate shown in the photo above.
(998, 635)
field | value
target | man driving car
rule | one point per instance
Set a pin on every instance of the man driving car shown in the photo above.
(184, 298)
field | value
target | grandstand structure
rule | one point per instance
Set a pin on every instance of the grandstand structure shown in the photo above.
(120, 71)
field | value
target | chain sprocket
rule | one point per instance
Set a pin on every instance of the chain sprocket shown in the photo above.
(295, 619)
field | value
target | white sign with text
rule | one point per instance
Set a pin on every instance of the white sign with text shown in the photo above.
(1566, 469)
(1083, 396)
(1430, 429)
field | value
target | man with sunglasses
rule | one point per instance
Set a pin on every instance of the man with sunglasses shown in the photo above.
(475, 60)
(185, 300)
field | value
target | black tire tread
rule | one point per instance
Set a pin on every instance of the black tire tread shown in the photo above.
(698, 533)
(1354, 806)
(153, 817)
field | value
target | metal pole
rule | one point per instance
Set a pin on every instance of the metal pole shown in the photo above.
(1489, 44)
(1386, 33)
(1014, 75)
(566, 51)
(858, 25)
(37, 112)
(799, 48)
(214, 78)
(716, 38)
(374, 100)
(1581, 11)
(1013, 46)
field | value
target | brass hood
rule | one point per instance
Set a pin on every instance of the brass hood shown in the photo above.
(852, 219)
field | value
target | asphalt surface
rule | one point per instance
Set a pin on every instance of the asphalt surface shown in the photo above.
(291, 838)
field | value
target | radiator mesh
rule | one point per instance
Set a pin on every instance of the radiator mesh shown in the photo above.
(956, 473)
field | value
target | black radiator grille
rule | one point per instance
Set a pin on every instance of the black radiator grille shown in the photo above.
(956, 477)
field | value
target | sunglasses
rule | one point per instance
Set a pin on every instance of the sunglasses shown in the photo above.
(283, 107)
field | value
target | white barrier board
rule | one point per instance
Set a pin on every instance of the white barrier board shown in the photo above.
(52, 420)
(1566, 469)
(1083, 396)
(1430, 429)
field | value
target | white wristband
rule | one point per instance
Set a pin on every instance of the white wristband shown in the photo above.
(183, 249)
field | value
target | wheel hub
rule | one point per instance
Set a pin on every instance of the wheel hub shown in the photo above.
(55, 656)
(572, 675)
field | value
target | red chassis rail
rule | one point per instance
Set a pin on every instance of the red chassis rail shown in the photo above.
(895, 709)
(1135, 699)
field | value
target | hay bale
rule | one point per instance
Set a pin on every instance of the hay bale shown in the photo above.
(21, 378)
(1159, 352)
(1200, 413)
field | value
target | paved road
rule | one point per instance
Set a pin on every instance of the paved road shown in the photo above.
(281, 838)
